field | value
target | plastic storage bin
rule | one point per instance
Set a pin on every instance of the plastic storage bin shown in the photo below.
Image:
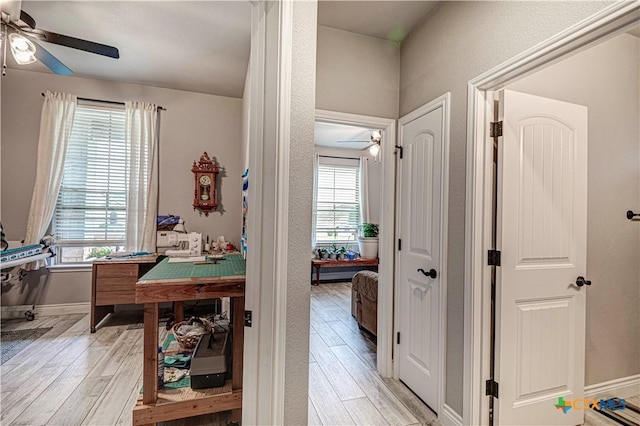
(209, 361)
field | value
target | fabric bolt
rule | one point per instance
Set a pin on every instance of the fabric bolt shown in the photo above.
(172, 374)
(177, 361)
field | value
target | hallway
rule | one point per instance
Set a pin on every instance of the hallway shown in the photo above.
(344, 387)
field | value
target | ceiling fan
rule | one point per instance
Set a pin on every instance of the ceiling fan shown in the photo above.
(19, 31)
(373, 144)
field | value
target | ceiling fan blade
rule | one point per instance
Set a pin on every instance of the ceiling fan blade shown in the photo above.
(77, 43)
(27, 19)
(50, 61)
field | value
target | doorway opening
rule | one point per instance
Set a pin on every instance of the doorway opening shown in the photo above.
(351, 369)
(382, 198)
(531, 73)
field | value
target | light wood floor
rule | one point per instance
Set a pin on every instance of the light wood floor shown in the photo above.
(72, 377)
(344, 388)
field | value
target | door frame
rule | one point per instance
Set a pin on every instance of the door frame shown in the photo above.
(603, 25)
(386, 267)
(443, 102)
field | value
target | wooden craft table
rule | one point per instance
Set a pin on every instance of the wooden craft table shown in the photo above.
(113, 282)
(178, 282)
(318, 264)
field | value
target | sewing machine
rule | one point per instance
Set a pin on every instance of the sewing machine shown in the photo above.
(189, 244)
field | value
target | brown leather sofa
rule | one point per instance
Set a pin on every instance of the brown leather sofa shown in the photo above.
(364, 295)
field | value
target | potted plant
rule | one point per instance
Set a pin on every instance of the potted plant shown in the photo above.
(323, 253)
(368, 240)
(333, 252)
(342, 252)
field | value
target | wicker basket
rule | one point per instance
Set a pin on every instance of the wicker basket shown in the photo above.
(190, 342)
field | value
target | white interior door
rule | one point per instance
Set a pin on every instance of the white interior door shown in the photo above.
(422, 196)
(540, 335)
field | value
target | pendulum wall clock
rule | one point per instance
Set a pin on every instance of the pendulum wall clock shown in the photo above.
(205, 172)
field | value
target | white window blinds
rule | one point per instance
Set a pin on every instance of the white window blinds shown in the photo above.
(91, 207)
(337, 206)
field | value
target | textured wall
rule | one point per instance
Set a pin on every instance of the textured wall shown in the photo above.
(191, 124)
(357, 74)
(303, 72)
(456, 43)
(606, 79)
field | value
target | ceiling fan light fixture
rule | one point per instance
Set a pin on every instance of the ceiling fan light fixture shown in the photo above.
(374, 149)
(22, 49)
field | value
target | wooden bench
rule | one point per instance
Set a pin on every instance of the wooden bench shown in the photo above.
(319, 264)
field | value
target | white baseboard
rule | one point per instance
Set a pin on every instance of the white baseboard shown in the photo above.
(448, 417)
(9, 312)
(622, 388)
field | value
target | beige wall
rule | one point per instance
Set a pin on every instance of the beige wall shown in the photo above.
(357, 74)
(459, 41)
(191, 124)
(606, 79)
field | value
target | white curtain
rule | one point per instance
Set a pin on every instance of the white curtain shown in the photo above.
(316, 163)
(364, 190)
(142, 175)
(56, 122)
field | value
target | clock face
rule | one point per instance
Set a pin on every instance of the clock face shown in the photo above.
(205, 180)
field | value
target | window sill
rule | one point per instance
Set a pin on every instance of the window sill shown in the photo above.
(70, 268)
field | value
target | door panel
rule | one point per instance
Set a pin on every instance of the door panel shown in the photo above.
(542, 234)
(543, 357)
(420, 213)
(420, 153)
(547, 151)
(419, 320)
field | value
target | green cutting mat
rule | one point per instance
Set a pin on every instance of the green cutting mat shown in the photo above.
(232, 264)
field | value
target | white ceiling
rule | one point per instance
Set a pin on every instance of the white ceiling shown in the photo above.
(199, 46)
(389, 20)
(342, 136)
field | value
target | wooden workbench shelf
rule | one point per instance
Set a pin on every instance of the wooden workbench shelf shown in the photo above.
(186, 402)
(178, 282)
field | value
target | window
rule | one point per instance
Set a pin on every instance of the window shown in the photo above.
(337, 204)
(90, 216)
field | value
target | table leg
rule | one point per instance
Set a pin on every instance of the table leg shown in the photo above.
(238, 342)
(98, 313)
(238, 348)
(178, 312)
(150, 367)
(317, 274)
(236, 415)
